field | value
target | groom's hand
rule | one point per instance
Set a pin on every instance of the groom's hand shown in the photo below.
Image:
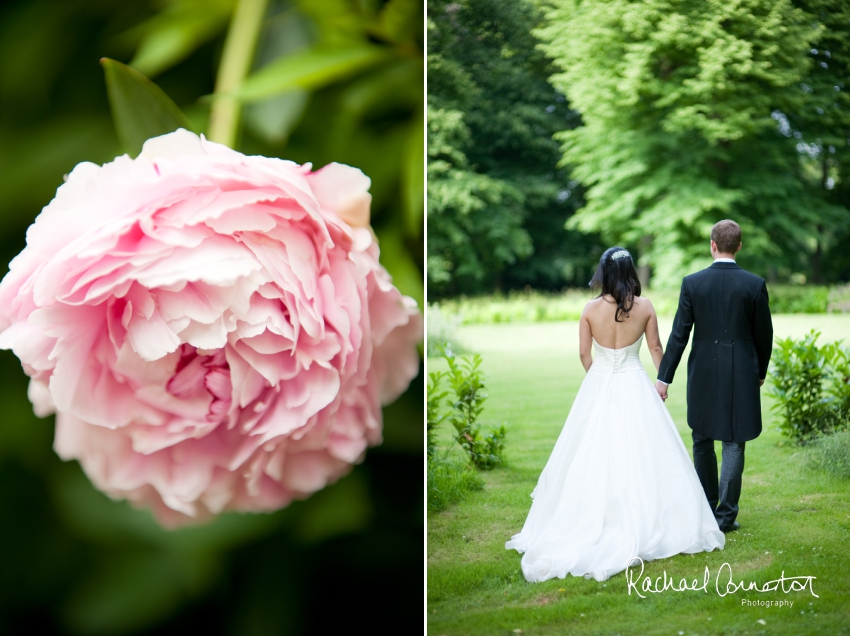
(662, 389)
(761, 382)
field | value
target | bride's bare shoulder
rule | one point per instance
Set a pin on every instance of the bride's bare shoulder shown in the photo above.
(644, 304)
(592, 305)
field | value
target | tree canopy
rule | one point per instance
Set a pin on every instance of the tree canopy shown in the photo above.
(560, 128)
(497, 200)
(694, 112)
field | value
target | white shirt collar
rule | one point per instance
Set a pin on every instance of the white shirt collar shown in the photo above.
(724, 260)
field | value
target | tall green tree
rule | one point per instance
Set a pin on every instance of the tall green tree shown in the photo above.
(684, 110)
(474, 220)
(491, 102)
(819, 130)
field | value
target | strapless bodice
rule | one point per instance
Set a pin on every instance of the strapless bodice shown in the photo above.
(617, 360)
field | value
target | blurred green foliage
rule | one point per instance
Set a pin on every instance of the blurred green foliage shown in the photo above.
(667, 116)
(695, 112)
(332, 80)
(497, 199)
(831, 454)
(811, 386)
(451, 475)
(445, 316)
(140, 109)
(450, 479)
(529, 306)
(442, 332)
(799, 299)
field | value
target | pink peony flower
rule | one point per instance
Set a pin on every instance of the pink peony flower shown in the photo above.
(213, 330)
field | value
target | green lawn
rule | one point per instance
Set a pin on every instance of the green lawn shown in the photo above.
(794, 519)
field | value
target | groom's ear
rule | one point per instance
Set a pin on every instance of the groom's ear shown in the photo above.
(740, 245)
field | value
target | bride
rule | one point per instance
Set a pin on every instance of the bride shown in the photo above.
(619, 483)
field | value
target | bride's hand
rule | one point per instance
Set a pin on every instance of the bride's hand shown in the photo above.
(661, 388)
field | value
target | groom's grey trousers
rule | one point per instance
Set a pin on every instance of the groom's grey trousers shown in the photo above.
(723, 497)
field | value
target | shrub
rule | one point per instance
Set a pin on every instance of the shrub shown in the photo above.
(798, 299)
(839, 299)
(467, 383)
(536, 306)
(450, 479)
(461, 404)
(434, 416)
(839, 382)
(831, 453)
(811, 386)
(442, 331)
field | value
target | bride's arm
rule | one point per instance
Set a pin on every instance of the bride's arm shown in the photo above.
(653, 340)
(584, 340)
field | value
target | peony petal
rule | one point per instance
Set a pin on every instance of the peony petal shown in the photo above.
(174, 145)
(151, 339)
(218, 261)
(204, 336)
(343, 190)
(42, 402)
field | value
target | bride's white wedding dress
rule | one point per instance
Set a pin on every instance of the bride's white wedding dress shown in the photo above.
(619, 483)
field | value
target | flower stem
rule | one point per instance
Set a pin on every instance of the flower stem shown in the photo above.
(235, 63)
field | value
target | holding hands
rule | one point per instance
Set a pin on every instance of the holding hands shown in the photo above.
(661, 388)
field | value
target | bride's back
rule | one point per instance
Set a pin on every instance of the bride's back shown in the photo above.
(618, 286)
(611, 334)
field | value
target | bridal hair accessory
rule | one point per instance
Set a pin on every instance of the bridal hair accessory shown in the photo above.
(619, 254)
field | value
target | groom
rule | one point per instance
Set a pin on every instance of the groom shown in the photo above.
(733, 336)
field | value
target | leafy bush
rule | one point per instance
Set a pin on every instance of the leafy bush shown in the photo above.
(460, 403)
(536, 306)
(434, 416)
(839, 299)
(442, 331)
(831, 453)
(467, 383)
(798, 299)
(811, 385)
(450, 479)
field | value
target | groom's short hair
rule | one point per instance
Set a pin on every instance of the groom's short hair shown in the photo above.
(727, 236)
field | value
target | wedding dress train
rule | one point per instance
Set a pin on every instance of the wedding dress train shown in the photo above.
(619, 483)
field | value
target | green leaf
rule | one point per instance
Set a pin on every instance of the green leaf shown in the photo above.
(176, 32)
(140, 108)
(413, 179)
(310, 69)
(94, 517)
(274, 119)
(341, 508)
(399, 21)
(381, 94)
(399, 263)
(135, 589)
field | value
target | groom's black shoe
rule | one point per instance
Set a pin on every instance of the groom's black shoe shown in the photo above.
(735, 526)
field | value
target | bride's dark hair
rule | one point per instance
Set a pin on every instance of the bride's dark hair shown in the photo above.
(616, 276)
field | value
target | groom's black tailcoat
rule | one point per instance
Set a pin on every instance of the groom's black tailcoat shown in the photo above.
(733, 337)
